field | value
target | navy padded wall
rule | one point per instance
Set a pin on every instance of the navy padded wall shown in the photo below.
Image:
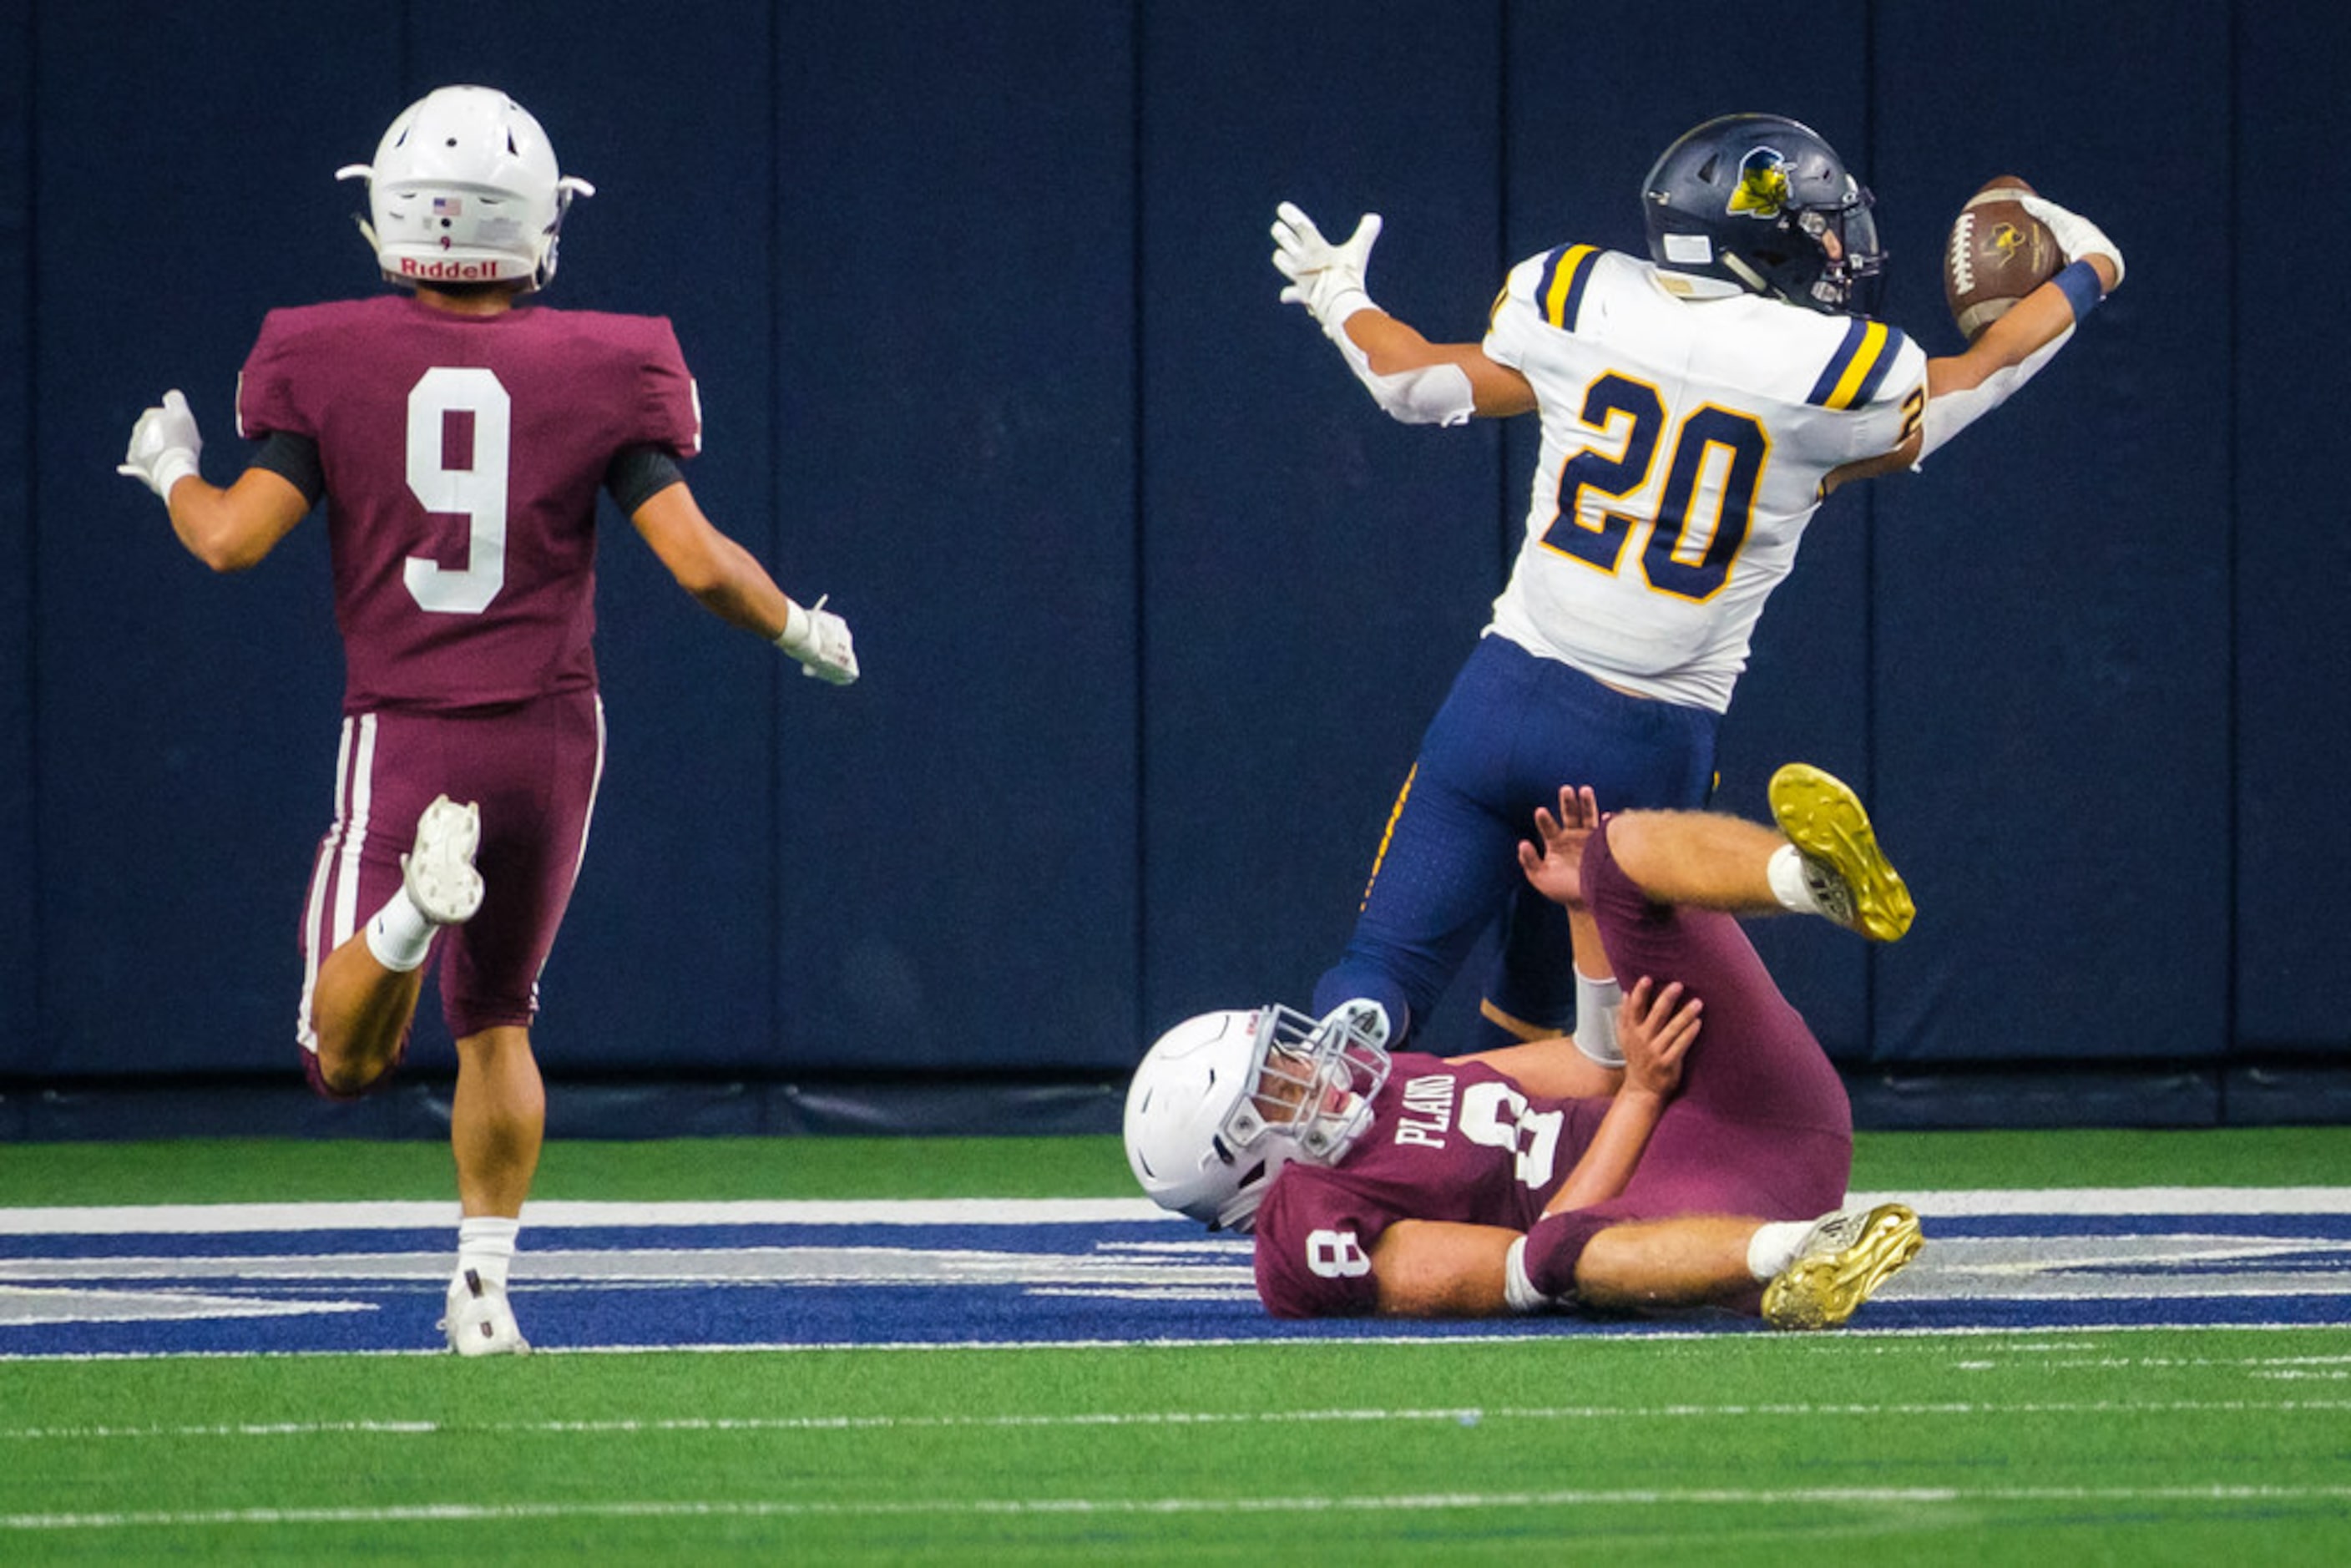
(2293, 543)
(2051, 608)
(956, 837)
(184, 184)
(1313, 572)
(19, 934)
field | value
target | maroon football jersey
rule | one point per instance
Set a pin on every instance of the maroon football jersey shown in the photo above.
(1449, 1140)
(463, 457)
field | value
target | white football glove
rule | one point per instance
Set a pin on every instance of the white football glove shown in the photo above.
(1327, 278)
(2076, 235)
(819, 640)
(163, 446)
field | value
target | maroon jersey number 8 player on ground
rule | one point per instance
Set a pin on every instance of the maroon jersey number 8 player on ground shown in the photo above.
(459, 437)
(1640, 1167)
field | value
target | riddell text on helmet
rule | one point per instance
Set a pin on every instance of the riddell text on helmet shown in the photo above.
(450, 271)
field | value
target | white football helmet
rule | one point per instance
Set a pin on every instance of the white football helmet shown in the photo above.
(1223, 1100)
(463, 189)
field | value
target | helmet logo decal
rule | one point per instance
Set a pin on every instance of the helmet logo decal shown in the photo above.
(1763, 189)
(453, 270)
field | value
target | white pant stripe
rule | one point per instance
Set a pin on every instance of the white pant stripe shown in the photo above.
(339, 851)
(586, 821)
(355, 831)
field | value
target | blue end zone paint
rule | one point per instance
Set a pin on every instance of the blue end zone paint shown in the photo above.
(1018, 1280)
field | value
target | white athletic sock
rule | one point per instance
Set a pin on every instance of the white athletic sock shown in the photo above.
(485, 1244)
(1774, 1246)
(1789, 885)
(399, 936)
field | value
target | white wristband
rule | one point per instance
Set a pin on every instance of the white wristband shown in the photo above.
(796, 632)
(170, 467)
(1597, 1003)
(1346, 302)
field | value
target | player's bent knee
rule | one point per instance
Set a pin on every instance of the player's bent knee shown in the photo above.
(1609, 1274)
(343, 1080)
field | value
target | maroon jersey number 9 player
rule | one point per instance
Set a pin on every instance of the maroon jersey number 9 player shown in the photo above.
(459, 436)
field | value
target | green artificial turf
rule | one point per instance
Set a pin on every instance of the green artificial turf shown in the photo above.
(2155, 1446)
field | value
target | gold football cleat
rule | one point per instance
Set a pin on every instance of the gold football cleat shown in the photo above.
(1846, 1258)
(1848, 872)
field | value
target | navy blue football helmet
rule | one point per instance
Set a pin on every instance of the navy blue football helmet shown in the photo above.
(1762, 202)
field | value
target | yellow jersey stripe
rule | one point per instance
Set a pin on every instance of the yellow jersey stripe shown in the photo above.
(1860, 362)
(1561, 291)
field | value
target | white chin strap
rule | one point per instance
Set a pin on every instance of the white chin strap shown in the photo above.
(1750, 277)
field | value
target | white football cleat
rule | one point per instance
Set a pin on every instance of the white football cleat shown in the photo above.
(479, 1321)
(439, 871)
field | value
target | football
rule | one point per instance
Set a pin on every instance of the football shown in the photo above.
(1997, 253)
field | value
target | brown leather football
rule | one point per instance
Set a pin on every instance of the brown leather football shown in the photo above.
(1997, 253)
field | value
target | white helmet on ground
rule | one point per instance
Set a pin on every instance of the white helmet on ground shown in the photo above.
(1223, 1100)
(463, 189)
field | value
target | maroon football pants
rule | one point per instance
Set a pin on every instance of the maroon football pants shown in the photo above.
(533, 769)
(1760, 1128)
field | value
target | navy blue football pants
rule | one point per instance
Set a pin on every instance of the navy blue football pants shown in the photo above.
(1513, 730)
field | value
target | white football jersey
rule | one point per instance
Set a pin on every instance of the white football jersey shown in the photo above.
(1684, 444)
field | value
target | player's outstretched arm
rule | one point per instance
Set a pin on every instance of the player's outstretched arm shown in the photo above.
(2040, 320)
(730, 583)
(2040, 323)
(1415, 381)
(1962, 388)
(229, 529)
(1393, 351)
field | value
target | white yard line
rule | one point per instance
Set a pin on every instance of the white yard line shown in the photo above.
(2231, 1496)
(1465, 1416)
(1847, 1341)
(209, 1218)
